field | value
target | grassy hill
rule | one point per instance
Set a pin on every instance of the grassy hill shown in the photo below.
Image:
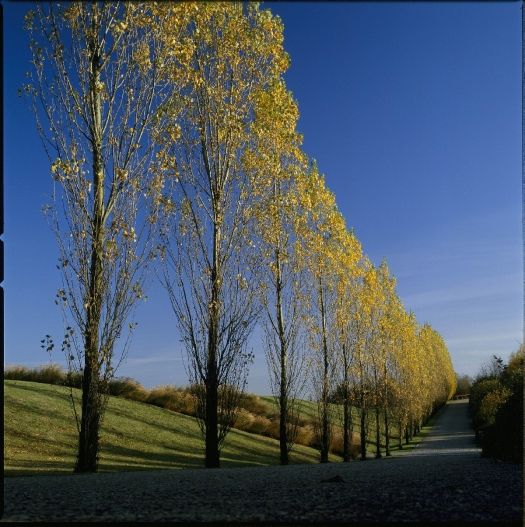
(257, 414)
(40, 436)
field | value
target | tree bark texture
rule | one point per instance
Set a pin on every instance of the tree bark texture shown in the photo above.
(347, 409)
(88, 445)
(325, 426)
(378, 435)
(212, 455)
(387, 432)
(347, 420)
(363, 432)
(283, 391)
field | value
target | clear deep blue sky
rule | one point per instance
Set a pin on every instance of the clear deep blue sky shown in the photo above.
(413, 114)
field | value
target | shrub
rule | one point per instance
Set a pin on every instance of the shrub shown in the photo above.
(478, 391)
(254, 405)
(337, 445)
(337, 442)
(18, 373)
(243, 420)
(305, 435)
(260, 425)
(172, 398)
(512, 376)
(73, 379)
(49, 373)
(161, 396)
(504, 438)
(273, 428)
(355, 446)
(127, 388)
(185, 403)
(490, 404)
(496, 403)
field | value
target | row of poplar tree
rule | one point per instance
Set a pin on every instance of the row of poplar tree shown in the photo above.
(173, 147)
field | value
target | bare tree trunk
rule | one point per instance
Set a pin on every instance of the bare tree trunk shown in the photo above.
(400, 436)
(325, 426)
(347, 409)
(283, 394)
(283, 426)
(387, 432)
(325, 439)
(363, 430)
(378, 434)
(385, 410)
(212, 456)
(88, 445)
(347, 415)
(346, 429)
(212, 459)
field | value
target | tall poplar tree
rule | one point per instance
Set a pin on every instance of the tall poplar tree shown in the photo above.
(348, 276)
(324, 243)
(363, 338)
(96, 84)
(274, 163)
(229, 54)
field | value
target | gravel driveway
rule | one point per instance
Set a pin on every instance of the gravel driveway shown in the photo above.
(444, 479)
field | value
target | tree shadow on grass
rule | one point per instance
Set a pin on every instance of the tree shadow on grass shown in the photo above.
(39, 440)
(37, 411)
(121, 457)
(152, 423)
(112, 458)
(30, 467)
(255, 449)
(111, 410)
(43, 389)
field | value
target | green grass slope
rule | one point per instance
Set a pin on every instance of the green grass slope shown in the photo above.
(40, 436)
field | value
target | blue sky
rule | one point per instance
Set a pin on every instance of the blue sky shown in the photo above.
(412, 112)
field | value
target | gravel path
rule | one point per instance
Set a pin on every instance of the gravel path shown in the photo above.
(444, 479)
